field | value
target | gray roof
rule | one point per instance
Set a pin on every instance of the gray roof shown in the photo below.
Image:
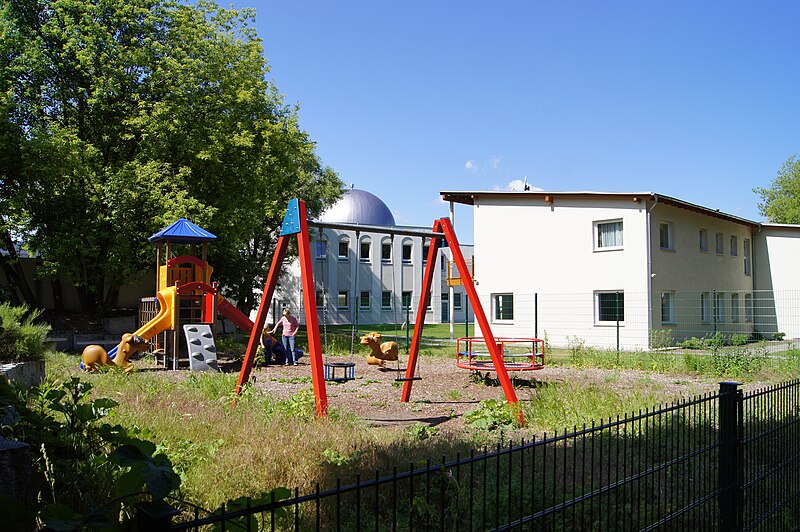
(359, 207)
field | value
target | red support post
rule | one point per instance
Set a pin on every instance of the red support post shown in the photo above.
(495, 351)
(312, 321)
(427, 281)
(261, 316)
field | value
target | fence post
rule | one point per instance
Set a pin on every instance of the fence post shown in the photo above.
(536, 314)
(729, 498)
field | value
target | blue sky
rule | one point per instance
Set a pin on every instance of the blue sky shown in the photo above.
(696, 100)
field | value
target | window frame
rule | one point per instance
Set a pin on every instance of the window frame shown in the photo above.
(596, 225)
(361, 294)
(735, 314)
(703, 240)
(346, 304)
(343, 240)
(321, 249)
(457, 301)
(320, 298)
(719, 243)
(669, 297)
(600, 311)
(705, 307)
(407, 245)
(498, 307)
(734, 245)
(410, 295)
(365, 241)
(748, 308)
(747, 251)
(670, 236)
(386, 244)
(719, 307)
(384, 304)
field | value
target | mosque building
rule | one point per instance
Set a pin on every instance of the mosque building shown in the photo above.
(372, 276)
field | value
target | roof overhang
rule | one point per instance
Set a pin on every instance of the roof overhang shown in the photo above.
(473, 197)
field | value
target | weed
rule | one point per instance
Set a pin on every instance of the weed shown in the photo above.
(454, 394)
(660, 339)
(334, 457)
(491, 414)
(738, 339)
(419, 431)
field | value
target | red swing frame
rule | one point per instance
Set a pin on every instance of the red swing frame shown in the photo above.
(296, 223)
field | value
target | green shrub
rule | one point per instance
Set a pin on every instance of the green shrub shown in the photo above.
(779, 336)
(738, 339)
(659, 339)
(693, 343)
(491, 414)
(21, 339)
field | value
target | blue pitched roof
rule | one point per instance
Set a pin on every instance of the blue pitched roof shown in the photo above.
(182, 232)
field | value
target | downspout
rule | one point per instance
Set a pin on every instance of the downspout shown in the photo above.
(650, 271)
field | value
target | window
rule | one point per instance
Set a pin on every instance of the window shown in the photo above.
(407, 252)
(386, 251)
(320, 299)
(344, 248)
(734, 308)
(608, 235)
(425, 249)
(667, 307)
(503, 307)
(443, 263)
(705, 307)
(748, 307)
(747, 265)
(428, 304)
(610, 306)
(703, 240)
(734, 246)
(665, 235)
(386, 299)
(719, 245)
(719, 311)
(406, 300)
(457, 301)
(343, 301)
(363, 300)
(365, 249)
(320, 249)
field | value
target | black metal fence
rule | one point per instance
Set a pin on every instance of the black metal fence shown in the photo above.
(723, 461)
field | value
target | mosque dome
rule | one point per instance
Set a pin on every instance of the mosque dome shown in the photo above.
(358, 207)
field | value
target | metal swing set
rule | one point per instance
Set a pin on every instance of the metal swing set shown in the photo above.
(295, 222)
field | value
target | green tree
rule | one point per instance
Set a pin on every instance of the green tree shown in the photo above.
(131, 113)
(780, 203)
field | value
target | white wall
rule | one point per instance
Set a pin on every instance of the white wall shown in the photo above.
(532, 248)
(777, 279)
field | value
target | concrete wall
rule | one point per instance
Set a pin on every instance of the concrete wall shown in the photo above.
(686, 271)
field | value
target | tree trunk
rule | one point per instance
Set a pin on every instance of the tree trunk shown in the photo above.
(14, 272)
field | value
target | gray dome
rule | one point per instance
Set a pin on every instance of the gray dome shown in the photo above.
(359, 207)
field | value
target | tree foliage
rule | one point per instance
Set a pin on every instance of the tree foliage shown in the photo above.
(127, 114)
(780, 203)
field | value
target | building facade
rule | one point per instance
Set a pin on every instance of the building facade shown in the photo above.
(625, 269)
(374, 275)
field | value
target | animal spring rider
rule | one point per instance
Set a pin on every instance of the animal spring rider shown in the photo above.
(94, 355)
(381, 352)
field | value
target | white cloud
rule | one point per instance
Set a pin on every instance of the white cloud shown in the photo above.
(518, 185)
(471, 166)
(494, 161)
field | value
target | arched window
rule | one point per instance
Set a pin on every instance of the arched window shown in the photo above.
(365, 249)
(408, 245)
(386, 250)
(344, 247)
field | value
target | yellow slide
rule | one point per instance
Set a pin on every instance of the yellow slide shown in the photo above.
(94, 355)
(167, 317)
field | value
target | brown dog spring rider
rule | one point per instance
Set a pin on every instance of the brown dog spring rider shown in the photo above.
(95, 356)
(381, 352)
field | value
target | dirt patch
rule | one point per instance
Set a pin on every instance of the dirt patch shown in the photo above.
(445, 392)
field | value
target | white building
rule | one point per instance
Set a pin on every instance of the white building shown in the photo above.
(629, 269)
(372, 275)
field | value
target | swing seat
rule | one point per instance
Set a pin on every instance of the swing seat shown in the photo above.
(339, 371)
(407, 379)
